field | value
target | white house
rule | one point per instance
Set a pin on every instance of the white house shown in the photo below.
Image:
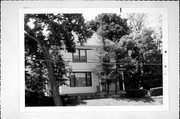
(82, 65)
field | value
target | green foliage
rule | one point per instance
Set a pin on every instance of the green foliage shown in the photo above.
(136, 93)
(45, 36)
(141, 49)
(152, 76)
(142, 46)
(128, 50)
(136, 21)
(57, 29)
(35, 76)
(156, 91)
(110, 26)
(60, 71)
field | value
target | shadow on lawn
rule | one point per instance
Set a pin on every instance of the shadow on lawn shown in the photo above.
(145, 99)
(75, 103)
(48, 101)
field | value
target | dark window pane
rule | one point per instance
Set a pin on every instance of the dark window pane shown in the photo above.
(76, 58)
(72, 81)
(76, 53)
(81, 80)
(83, 56)
(83, 52)
(88, 80)
(80, 56)
(83, 59)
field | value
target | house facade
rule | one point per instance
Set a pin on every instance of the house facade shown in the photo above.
(81, 67)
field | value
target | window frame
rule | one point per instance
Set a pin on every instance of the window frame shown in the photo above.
(85, 79)
(79, 55)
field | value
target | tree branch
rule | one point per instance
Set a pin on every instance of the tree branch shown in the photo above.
(44, 48)
(33, 38)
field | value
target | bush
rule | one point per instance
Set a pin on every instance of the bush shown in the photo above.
(39, 101)
(34, 99)
(65, 99)
(136, 93)
(156, 91)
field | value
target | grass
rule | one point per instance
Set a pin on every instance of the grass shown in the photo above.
(158, 100)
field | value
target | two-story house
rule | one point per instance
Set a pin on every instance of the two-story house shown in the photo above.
(81, 65)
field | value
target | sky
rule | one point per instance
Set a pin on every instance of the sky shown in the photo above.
(91, 13)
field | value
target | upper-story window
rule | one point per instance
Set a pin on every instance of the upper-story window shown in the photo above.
(80, 55)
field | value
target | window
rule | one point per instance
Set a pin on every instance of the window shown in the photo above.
(81, 79)
(80, 55)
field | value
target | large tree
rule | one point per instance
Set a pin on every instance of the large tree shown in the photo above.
(143, 49)
(148, 37)
(129, 52)
(139, 49)
(136, 21)
(110, 27)
(45, 36)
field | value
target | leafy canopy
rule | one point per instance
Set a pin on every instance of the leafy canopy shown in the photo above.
(110, 26)
(45, 36)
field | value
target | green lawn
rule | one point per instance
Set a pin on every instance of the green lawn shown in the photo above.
(121, 101)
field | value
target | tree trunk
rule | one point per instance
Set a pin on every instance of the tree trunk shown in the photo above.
(107, 84)
(107, 89)
(51, 76)
(54, 84)
(116, 77)
(116, 84)
(121, 82)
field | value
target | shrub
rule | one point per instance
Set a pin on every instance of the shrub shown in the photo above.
(156, 91)
(65, 99)
(35, 100)
(136, 93)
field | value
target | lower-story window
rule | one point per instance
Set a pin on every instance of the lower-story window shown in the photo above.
(81, 79)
